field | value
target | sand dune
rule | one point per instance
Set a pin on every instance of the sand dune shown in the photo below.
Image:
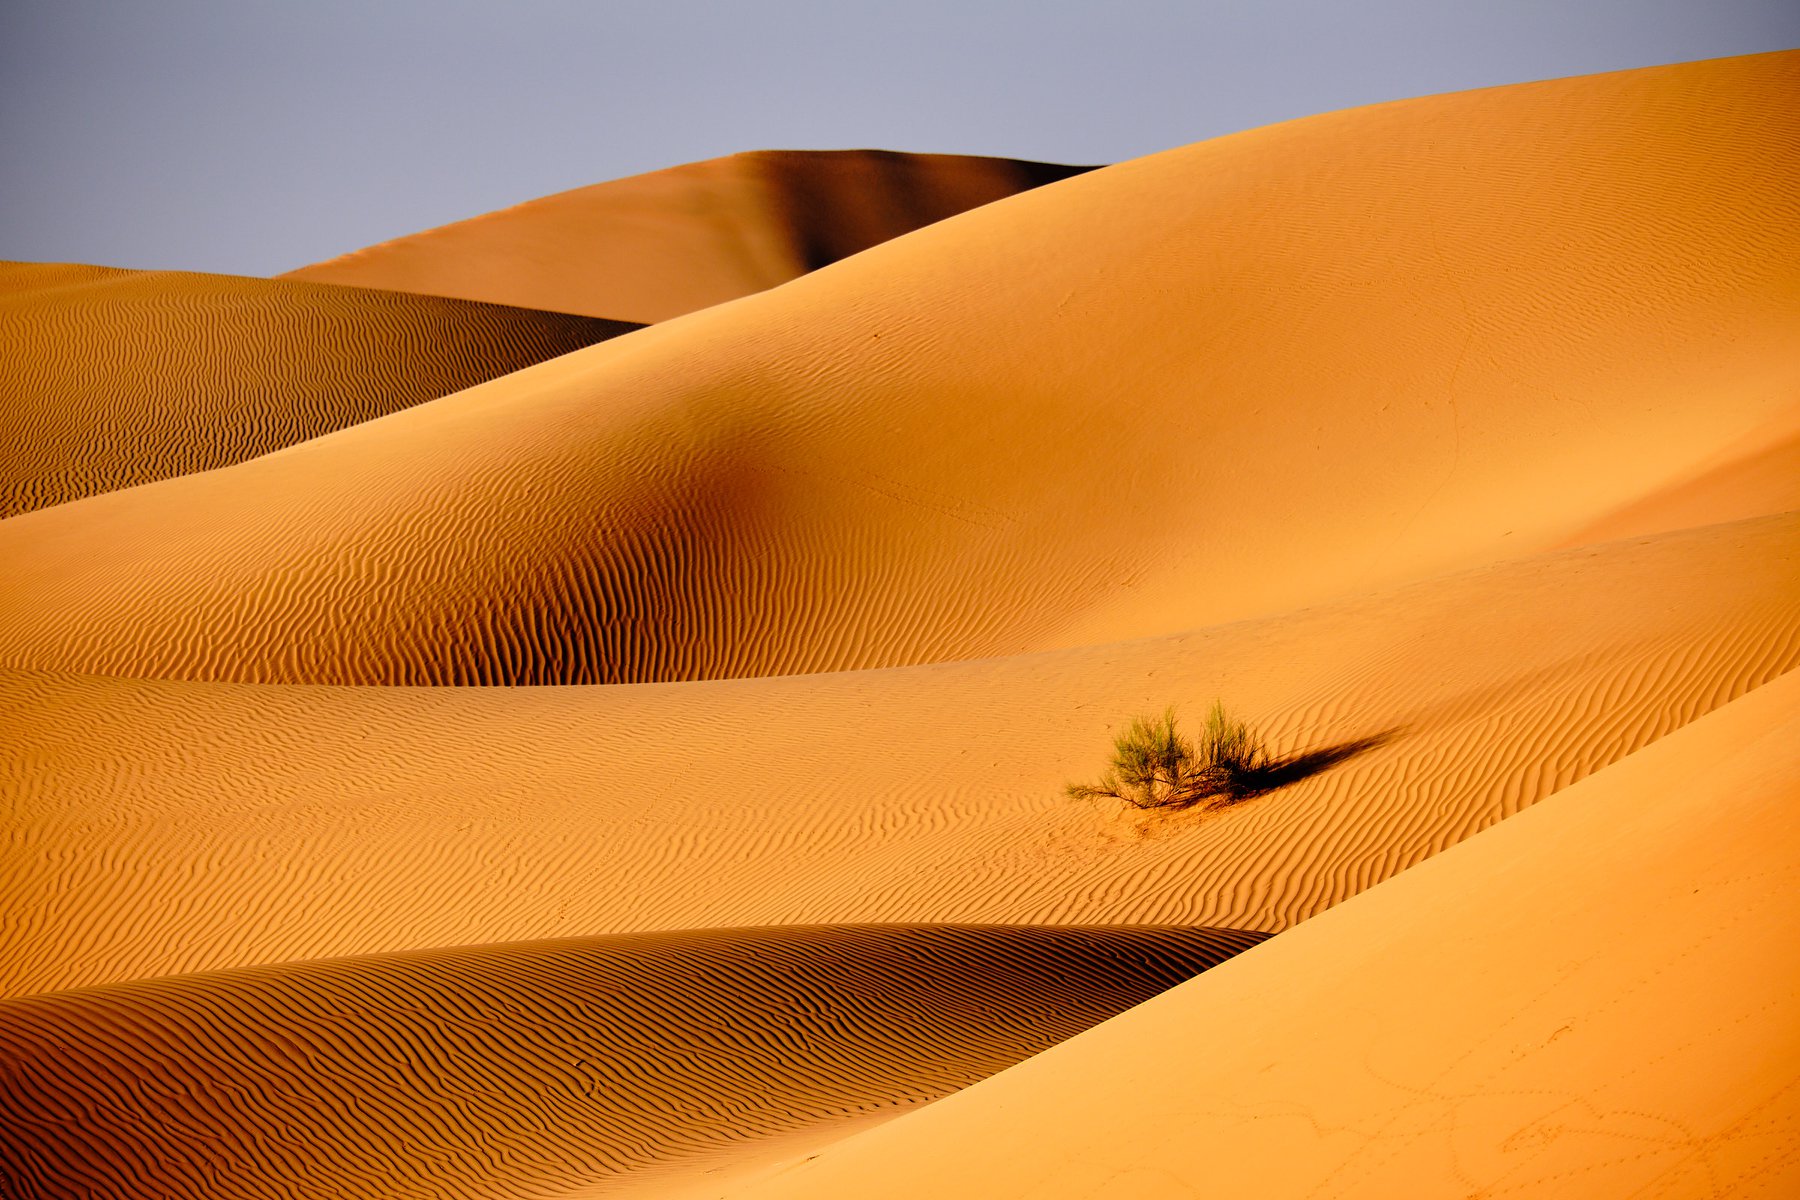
(1452, 442)
(1226, 380)
(669, 242)
(515, 1069)
(1597, 998)
(110, 379)
(1760, 474)
(193, 826)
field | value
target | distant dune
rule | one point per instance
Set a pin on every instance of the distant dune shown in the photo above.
(1453, 443)
(1222, 381)
(110, 379)
(658, 245)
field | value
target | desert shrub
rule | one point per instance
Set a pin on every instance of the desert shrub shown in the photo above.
(1231, 751)
(1151, 765)
(1154, 766)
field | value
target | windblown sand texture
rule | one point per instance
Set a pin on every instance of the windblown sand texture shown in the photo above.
(320, 822)
(1596, 999)
(109, 379)
(1226, 380)
(669, 242)
(1452, 441)
(588, 1056)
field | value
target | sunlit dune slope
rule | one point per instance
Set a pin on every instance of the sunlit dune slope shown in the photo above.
(114, 378)
(155, 827)
(1597, 998)
(1759, 474)
(658, 245)
(1226, 380)
(513, 1069)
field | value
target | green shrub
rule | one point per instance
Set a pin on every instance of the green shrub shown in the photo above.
(1232, 752)
(1154, 766)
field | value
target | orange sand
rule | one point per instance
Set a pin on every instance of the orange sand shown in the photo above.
(579, 1057)
(1226, 380)
(658, 245)
(1760, 474)
(114, 378)
(193, 827)
(1597, 998)
(1452, 442)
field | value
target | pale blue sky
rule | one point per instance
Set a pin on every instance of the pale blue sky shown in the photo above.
(250, 136)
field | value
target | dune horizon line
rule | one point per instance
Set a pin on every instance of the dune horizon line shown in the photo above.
(594, 699)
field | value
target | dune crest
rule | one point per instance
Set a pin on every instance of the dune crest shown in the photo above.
(1450, 442)
(109, 379)
(1147, 399)
(658, 245)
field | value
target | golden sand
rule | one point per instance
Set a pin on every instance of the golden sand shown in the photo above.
(1451, 442)
(669, 242)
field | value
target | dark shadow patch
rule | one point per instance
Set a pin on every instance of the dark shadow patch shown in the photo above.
(835, 203)
(1279, 773)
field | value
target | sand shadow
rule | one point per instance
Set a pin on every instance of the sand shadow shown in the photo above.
(1280, 772)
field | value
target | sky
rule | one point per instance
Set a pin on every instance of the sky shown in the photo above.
(254, 136)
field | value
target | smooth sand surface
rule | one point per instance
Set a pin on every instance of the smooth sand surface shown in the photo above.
(669, 242)
(1597, 998)
(1760, 474)
(1451, 442)
(111, 378)
(1226, 380)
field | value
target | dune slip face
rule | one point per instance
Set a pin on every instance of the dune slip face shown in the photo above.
(109, 379)
(498, 1071)
(1227, 380)
(658, 245)
(452, 750)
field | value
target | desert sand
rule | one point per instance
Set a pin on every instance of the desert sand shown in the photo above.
(582, 1058)
(233, 825)
(669, 242)
(109, 379)
(1594, 999)
(1143, 400)
(1452, 442)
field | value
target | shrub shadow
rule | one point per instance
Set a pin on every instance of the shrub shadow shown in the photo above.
(1281, 772)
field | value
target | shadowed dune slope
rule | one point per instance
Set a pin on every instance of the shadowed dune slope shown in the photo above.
(114, 378)
(155, 827)
(497, 1071)
(668, 242)
(1597, 998)
(1226, 380)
